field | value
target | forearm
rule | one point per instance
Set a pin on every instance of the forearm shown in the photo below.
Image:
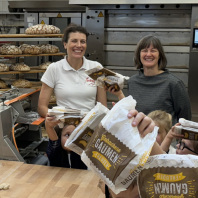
(156, 150)
(51, 133)
(42, 110)
(166, 144)
(121, 95)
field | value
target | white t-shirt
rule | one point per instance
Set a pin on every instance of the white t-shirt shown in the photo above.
(73, 88)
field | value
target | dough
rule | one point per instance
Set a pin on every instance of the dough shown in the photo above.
(4, 186)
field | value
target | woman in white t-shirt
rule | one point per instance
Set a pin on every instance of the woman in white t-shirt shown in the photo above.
(67, 79)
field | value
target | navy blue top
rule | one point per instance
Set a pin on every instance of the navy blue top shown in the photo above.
(59, 157)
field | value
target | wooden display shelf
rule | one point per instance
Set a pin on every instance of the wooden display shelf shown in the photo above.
(34, 69)
(22, 55)
(29, 35)
(35, 85)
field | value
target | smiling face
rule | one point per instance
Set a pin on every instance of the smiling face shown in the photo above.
(66, 132)
(149, 57)
(76, 45)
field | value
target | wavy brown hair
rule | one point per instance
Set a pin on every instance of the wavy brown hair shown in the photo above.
(72, 28)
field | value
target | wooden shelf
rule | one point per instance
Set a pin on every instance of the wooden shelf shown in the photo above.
(34, 69)
(30, 35)
(22, 55)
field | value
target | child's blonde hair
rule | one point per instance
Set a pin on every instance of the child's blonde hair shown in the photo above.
(162, 118)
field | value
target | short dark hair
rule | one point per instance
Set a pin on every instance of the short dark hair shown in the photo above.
(71, 28)
(145, 42)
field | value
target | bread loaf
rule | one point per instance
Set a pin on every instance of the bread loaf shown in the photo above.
(22, 83)
(3, 84)
(30, 49)
(52, 98)
(3, 67)
(44, 65)
(43, 29)
(49, 49)
(10, 50)
(20, 67)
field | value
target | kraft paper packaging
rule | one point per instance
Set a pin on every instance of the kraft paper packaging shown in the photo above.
(81, 135)
(105, 77)
(187, 128)
(116, 152)
(169, 176)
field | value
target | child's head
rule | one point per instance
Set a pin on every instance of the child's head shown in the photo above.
(163, 120)
(64, 134)
(187, 147)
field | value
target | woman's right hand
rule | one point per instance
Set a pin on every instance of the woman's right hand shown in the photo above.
(112, 90)
(51, 121)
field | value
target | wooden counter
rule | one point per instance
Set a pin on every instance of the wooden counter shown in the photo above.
(34, 181)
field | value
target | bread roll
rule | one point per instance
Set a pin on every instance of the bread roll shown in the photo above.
(3, 67)
(43, 29)
(22, 83)
(3, 84)
(44, 65)
(20, 67)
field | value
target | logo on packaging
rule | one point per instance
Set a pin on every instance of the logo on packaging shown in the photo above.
(108, 154)
(160, 184)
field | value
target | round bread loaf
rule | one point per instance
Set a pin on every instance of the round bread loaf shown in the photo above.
(44, 65)
(52, 98)
(30, 49)
(49, 49)
(10, 50)
(4, 67)
(22, 83)
(3, 84)
(43, 29)
(20, 67)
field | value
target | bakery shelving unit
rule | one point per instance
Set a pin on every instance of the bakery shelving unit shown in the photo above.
(29, 38)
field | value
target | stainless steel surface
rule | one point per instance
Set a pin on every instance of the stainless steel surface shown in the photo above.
(95, 27)
(104, 2)
(20, 143)
(129, 48)
(46, 5)
(58, 14)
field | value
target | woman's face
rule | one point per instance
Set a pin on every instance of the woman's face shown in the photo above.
(185, 150)
(76, 45)
(66, 132)
(149, 57)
